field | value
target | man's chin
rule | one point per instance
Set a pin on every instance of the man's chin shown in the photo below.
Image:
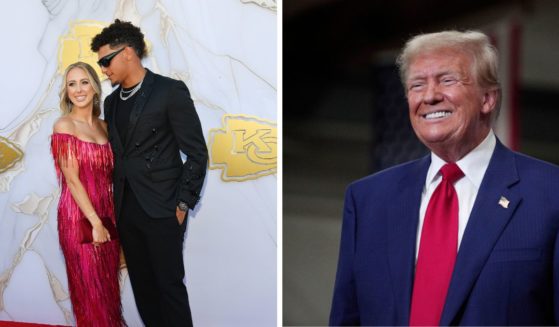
(113, 82)
(433, 142)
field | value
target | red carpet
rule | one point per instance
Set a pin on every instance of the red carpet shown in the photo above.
(24, 324)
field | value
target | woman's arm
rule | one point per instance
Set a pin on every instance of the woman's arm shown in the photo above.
(70, 169)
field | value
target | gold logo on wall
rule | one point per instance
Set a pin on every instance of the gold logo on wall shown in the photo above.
(245, 148)
(75, 46)
(10, 154)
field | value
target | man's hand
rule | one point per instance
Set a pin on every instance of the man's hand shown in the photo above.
(181, 215)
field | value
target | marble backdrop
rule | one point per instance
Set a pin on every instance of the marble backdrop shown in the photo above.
(225, 51)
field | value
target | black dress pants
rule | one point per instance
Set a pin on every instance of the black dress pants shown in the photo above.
(153, 251)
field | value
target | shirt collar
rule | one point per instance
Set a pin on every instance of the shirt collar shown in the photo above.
(473, 165)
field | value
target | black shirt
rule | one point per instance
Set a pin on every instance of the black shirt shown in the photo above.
(123, 111)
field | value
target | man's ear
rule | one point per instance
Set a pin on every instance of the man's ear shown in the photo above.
(129, 52)
(490, 98)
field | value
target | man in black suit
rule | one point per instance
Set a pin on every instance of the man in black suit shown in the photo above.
(151, 118)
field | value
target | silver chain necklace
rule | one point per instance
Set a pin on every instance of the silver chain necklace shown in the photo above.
(124, 96)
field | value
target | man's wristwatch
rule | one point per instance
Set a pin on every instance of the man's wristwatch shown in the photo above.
(183, 206)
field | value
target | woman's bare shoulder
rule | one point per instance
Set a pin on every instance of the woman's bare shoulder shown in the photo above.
(103, 125)
(64, 125)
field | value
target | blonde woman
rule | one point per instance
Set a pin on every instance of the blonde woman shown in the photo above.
(84, 163)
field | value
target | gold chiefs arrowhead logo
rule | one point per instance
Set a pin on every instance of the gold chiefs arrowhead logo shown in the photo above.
(10, 154)
(245, 148)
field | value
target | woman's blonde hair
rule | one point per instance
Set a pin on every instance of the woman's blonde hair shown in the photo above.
(65, 103)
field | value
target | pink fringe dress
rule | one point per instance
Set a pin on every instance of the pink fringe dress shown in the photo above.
(92, 271)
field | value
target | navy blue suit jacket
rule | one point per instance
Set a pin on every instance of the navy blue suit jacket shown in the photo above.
(507, 267)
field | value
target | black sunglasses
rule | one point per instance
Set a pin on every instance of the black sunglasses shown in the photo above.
(106, 60)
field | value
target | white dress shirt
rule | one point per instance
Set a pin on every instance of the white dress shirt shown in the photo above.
(473, 165)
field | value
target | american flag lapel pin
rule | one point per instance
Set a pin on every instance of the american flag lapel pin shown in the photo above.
(504, 202)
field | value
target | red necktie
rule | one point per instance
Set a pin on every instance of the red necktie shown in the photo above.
(437, 251)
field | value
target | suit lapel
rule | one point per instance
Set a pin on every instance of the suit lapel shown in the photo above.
(402, 234)
(487, 221)
(112, 107)
(147, 87)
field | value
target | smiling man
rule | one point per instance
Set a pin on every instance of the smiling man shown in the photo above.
(151, 119)
(464, 236)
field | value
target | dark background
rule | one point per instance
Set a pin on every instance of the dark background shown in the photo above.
(345, 115)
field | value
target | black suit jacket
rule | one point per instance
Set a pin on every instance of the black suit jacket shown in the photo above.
(162, 122)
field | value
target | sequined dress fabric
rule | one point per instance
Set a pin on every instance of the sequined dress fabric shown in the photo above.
(92, 271)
